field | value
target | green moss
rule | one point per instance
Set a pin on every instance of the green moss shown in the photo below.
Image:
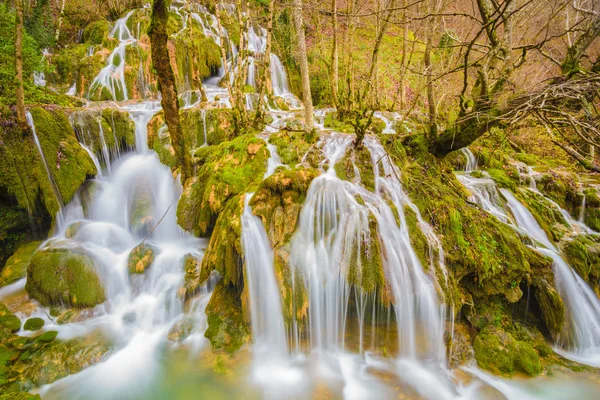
(500, 353)
(8, 321)
(292, 146)
(140, 258)
(196, 56)
(16, 266)
(592, 210)
(96, 32)
(485, 256)
(227, 330)
(62, 277)
(33, 324)
(546, 214)
(339, 126)
(218, 122)
(224, 171)
(359, 159)
(502, 179)
(583, 254)
(366, 268)
(418, 240)
(278, 201)
(224, 251)
(46, 337)
(191, 267)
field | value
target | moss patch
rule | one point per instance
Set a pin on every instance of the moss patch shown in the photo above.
(16, 266)
(583, 254)
(224, 171)
(64, 278)
(227, 330)
(140, 258)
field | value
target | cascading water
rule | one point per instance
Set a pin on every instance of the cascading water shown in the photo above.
(581, 334)
(112, 76)
(471, 164)
(53, 185)
(136, 194)
(580, 338)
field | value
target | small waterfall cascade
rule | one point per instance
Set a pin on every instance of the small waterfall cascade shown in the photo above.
(471, 164)
(141, 114)
(105, 152)
(112, 76)
(138, 193)
(334, 226)
(280, 83)
(38, 145)
(580, 338)
(388, 120)
(251, 80)
(581, 335)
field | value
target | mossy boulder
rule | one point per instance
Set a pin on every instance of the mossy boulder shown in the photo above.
(33, 324)
(292, 146)
(61, 277)
(224, 171)
(224, 251)
(16, 266)
(98, 125)
(583, 254)
(499, 352)
(359, 158)
(8, 321)
(140, 258)
(227, 330)
(278, 201)
(96, 32)
(23, 174)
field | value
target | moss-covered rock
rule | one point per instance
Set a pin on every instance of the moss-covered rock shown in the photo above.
(583, 254)
(293, 146)
(8, 321)
(96, 32)
(500, 353)
(62, 277)
(227, 330)
(96, 126)
(224, 251)
(16, 266)
(225, 170)
(357, 159)
(140, 258)
(278, 201)
(191, 267)
(60, 358)
(592, 209)
(33, 324)
(22, 172)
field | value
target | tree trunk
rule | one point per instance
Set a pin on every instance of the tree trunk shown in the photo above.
(587, 164)
(301, 42)
(265, 84)
(428, 70)
(571, 65)
(403, 60)
(166, 81)
(60, 19)
(19, 91)
(334, 55)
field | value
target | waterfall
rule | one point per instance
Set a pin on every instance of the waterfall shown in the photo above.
(251, 80)
(140, 310)
(333, 227)
(471, 164)
(51, 180)
(112, 76)
(141, 114)
(390, 124)
(484, 192)
(581, 334)
(94, 159)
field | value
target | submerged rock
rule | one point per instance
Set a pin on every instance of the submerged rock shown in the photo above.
(583, 254)
(191, 267)
(140, 258)
(61, 277)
